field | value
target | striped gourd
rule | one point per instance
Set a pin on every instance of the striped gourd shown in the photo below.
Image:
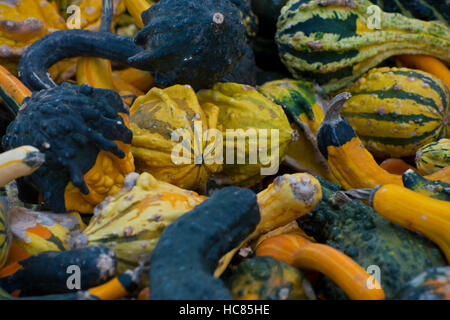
(433, 156)
(304, 110)
(419, 9)
(334, 42)
(5, 234)
(395, 111)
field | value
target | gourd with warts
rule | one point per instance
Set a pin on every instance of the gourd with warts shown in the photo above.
(433, 156)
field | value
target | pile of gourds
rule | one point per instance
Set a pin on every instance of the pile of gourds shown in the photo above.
(118, 128)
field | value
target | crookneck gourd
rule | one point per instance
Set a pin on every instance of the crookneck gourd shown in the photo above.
(361, 233)
(84, 135)
(335, 42)
(187, 253)
(175, 138)
(303, 108)
(265, 278)
(247, 115)
(345, 272)
(351, 163)
(184, 42)
(411, 210)
(395, 111)
(433, 156)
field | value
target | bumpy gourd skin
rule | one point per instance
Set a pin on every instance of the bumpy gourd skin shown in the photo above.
(183, 42)
(357, 230)
(72, 125)
(190, 42)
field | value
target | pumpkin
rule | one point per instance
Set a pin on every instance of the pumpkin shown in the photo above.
(411, 210)
(46, 272)
(432, 284)
(131, 221)
(35, 231)
(303, 108)
(335, 42)
(433, 156)
(395, 111)
(243, 112)
(427, 10)
(286, 199)
(185, 58)
(265, 278)
(87, 150)
(188, 250)
(301, 253)
(434, 189)
(356, 229)
(171, 138)
(351, 163)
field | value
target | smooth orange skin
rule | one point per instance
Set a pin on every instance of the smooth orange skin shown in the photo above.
(428, 64)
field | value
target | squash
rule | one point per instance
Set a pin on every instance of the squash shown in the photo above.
(432, 284)
(301, 253)
(131, 221)
(244, 113)
(433, 156)
(411, 210)
(286, 199)
(433, 189)
(184, 58)
(265, 278)
(249, 19)
(136, 7)
(303, 108)
(351, 163)
(395, 111)
(427, 10)
(5, 233)
(188, 250)
(245, 70)
(34, 232)
(47, 272)
(171, 139)
(426, 63)
(12, 91)
(396, 166)
(335, 42)
(356, 229)
(140, 79)
(87, 150)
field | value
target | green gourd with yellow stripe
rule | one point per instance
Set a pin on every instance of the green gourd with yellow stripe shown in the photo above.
(335, 42)
(395, 111)
(433, 156)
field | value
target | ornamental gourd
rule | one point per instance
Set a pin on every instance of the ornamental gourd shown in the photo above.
(169, 45)
(395, 111)
(84, 135)
(335, 42)
(244, 113)
(173, 136)
(5, 233)
(303, 108)
(433, 189)
(433, 156)
(265, 278)
(351, 163)
(131, 221)
(432, 284)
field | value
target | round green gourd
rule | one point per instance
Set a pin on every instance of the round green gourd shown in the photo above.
(433, 284)
(265, 278)
(433, 156)
(335, 42)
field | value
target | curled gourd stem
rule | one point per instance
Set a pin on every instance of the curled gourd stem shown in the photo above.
(345, 272)
(335, 106)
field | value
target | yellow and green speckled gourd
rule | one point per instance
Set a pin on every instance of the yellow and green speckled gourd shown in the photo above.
(303, 108)
(171, 120)
(395, 111)
(244, 111)
(131, 221)
(433, 156)
(334, 42)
